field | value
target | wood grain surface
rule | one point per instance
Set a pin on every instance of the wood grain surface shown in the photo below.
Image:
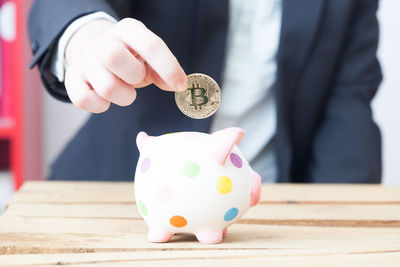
(97, 223)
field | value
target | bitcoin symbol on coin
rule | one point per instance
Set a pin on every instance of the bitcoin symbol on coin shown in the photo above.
(201, 94)
(201, 99)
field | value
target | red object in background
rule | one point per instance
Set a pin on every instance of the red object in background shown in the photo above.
(20, 110)
(4, 152)
(8, 41)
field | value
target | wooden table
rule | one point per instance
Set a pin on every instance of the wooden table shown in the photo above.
(81, 223)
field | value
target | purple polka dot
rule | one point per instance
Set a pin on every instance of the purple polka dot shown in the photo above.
(145, 165)
(236, 160)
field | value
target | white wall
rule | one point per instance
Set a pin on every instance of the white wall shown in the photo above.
(386, 105)
(61, 121)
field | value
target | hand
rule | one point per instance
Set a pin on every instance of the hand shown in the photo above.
(106, 61)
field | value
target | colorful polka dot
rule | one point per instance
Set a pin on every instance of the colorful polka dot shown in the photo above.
(191, 169)
(145, 165)
(142, 208)
(231, 214)
(236, 160)
(224, 185)
(164, 193)
(178, 221)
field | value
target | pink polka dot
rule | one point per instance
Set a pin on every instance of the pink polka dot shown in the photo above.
(145, 165)
(164, 193)
(236, 160)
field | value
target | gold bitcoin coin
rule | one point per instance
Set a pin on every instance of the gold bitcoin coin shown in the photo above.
(201, 99)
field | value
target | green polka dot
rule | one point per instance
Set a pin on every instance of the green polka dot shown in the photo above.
(142, 208)
(191, 169)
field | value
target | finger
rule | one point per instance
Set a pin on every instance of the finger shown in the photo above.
(153, 50)
(153, 76)
(120, 61)
(107, 85)
(80, 93)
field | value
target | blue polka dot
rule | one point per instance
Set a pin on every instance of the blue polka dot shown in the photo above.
(231, 214)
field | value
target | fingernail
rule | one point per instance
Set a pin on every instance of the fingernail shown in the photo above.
(181, 85)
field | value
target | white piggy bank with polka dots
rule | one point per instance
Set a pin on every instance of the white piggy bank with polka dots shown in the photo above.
(193, 182)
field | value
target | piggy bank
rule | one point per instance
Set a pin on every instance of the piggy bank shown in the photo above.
(191, 182)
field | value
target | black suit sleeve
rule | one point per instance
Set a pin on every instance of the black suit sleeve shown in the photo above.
(347, 145)
(47, 21)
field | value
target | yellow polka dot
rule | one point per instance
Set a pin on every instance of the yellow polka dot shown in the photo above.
(171, 133)
(224, 185)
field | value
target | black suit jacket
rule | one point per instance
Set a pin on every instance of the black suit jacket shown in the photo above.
(327, 75)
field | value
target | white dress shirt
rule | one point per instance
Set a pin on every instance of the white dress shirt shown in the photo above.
(248, 78)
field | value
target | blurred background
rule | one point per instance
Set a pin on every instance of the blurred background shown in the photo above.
(34, 127)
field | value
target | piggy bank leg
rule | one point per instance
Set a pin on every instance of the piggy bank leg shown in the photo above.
(255, 189)
(209, 236)
(225, 232)
(158, 235)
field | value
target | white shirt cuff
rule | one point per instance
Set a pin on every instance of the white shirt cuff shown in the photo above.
(57, 66)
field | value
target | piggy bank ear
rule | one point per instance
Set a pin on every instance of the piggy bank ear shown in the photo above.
(141, 139)
(223, 142)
